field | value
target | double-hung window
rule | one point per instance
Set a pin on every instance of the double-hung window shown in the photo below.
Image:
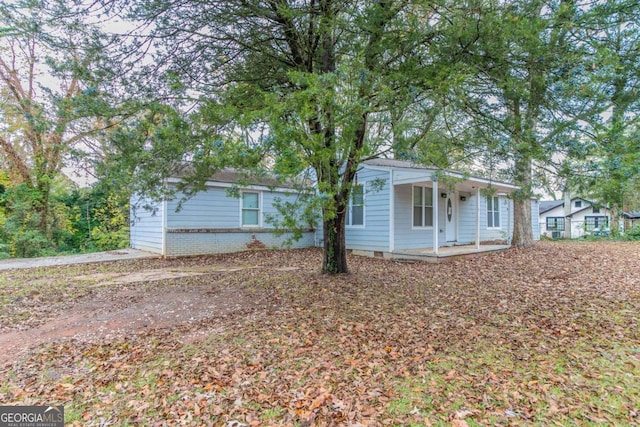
(250, 209)
(355, 211)
(422, 207)
(493, 212)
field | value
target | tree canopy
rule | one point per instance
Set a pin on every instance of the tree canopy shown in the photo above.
(316, 86)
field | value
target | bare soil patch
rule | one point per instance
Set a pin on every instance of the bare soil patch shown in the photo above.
(130, 302)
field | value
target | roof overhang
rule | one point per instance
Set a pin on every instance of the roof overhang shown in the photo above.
(467, 183)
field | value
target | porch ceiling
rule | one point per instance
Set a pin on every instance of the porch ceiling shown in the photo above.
(469, 184)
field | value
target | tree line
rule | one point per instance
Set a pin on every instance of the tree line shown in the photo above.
(541, 93)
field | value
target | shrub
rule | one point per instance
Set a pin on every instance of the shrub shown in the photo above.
(29, 244)
(5, 251)
(632, 234)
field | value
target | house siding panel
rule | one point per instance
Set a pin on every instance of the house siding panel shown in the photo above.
(407, 237)
(374, 236)
(211, 208)
(506, 223)
(467, 220)
(146, 225)
(535, 219)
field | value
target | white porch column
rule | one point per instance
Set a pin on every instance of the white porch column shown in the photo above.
(477, 218)
(392, 213)
(434, 197)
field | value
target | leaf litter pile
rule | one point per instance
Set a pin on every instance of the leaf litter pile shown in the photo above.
(542, 336)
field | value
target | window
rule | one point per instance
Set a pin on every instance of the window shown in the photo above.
(355, 211)
(555, 223)
(596, 210)
(250, 209)
(593, 222)
(422, 207)
(578, 203)
(493, 212)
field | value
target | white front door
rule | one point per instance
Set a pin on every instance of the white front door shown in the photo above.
(451, 218)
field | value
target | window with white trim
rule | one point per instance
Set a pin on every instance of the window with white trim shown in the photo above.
(422, 207)
(493, 212)
(355, 211)
(250, 209)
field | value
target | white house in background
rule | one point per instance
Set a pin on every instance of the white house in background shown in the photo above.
(582, 217)
(398, 209)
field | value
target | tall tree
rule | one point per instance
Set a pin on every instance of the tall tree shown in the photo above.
(45, 107)
(522, 68)
(320, 85)
(614, 40)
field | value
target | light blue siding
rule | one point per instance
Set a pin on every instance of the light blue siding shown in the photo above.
(269, 209)
(535, 219)
(374, 235)
(407, 237)
(210, 223)
(467, 220)
(146, 225)
(211, 208)
(215, 208)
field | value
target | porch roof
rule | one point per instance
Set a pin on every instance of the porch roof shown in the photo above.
(405, 172)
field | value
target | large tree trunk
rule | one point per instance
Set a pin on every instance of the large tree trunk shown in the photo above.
(522, 233)
(335, 250)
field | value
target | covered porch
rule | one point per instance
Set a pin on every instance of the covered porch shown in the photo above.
(445, 214)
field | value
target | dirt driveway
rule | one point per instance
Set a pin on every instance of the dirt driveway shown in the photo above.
(111, 300)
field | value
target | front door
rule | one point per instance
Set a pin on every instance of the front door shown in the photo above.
(451, 218)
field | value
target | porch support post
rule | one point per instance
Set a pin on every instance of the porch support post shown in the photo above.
(392, 213)
(478, 218)
(434, 197)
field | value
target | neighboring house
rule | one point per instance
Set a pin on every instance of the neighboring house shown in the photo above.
(582, 217)
(396, 206)
(631, 219)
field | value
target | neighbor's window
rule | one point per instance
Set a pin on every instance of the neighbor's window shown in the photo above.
(250, 209)
(422, 207)
(593, 222)
(355, 212)
(596, 210)
(555, 223)
(578, 203)
(493, 212)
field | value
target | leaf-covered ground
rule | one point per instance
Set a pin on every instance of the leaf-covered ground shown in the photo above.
(543, 336)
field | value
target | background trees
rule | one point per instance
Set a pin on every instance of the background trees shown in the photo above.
(313, 88)
(51, 106)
